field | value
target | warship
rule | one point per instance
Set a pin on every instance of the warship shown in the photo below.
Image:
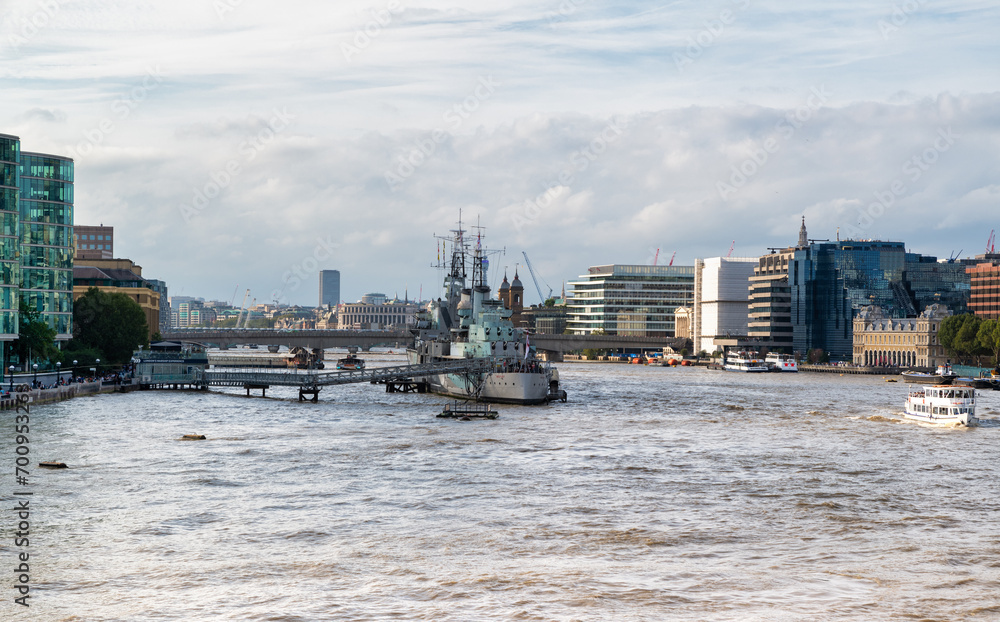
(466, 323)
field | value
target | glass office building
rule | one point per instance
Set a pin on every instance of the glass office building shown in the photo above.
(46, 234)
(636, 300)
(929, 281)
(10, 275)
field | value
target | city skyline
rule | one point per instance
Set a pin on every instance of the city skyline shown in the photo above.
(344, 137)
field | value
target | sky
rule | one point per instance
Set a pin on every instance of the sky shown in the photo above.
(243, 144)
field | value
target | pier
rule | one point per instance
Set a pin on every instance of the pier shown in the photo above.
(309, 382)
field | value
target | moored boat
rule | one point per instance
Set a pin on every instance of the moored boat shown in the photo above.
(745, 361)
(943, 405)
(943, 375)
(467, 323)
(350, 362)
(781, 362)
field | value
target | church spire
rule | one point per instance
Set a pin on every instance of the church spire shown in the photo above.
(803, 236)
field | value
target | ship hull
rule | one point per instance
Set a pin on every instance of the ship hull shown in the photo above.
(497, 388)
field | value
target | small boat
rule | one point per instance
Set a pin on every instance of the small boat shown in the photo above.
(942, 404)
(350, 362)
(781, 362)
(745, 361)
(944, 375)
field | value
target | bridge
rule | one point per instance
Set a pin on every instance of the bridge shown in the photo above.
(322, 339)
(310, 381)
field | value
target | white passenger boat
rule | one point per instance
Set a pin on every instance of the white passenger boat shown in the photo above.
(781, 362)
(942, 404)
(744, 361)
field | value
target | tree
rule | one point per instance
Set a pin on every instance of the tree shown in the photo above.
(989, 338)
(967, 340)
(550, 302)
(36, 339)
(949, 330)
(112, 323)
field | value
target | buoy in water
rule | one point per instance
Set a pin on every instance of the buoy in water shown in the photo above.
(193, 437)
(53, 465)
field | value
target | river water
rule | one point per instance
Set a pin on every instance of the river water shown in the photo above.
(653, 494)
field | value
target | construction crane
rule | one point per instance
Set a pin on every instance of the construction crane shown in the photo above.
(656, 257)
(243, 305)
(731, 247)
(672, 259)
(991, 241)
(535, 279)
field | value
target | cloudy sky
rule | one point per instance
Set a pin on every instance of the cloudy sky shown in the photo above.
(239, 144)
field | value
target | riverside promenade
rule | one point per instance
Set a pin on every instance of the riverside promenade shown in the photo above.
(63, 392)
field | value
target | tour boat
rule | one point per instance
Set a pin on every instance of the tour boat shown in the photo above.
(942, 404)
(744, 361)
(781, 362)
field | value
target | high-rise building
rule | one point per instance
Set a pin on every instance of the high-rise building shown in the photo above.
(94, 242)
(721, 300)
(46, 225)
(36, 261)
(805, 297)
(10, 269)
(634, 300)
(329, 288)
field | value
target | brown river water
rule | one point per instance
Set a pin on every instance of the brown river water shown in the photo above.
(653, 494)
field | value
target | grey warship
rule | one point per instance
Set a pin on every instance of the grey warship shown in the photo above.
(466, 323)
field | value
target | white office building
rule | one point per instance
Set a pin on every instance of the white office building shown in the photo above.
(721, 300)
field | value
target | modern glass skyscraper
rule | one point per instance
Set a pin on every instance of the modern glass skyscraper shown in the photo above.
(329, 288)
(10, 274)
(46, 235)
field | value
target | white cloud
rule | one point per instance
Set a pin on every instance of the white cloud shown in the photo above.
(562, 80)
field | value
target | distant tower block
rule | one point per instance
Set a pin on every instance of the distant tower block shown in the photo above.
(803, 236)
(329, 288)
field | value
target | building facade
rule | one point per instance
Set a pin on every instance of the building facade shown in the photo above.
(329, 288)
(388, 315)
(629, 299)
(10, 269)
(721, 301)
(770, 310)
(118, 276)
(94, 242)
(985, 286)
(36, 238)
(899, 342)
(46, 226)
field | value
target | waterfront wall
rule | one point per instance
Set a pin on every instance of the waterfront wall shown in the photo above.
(58, 394)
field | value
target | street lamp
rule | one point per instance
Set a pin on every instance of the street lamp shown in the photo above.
(35, 367)
(98, 361)
(74, 368)
(58, 366)
(11, 370)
